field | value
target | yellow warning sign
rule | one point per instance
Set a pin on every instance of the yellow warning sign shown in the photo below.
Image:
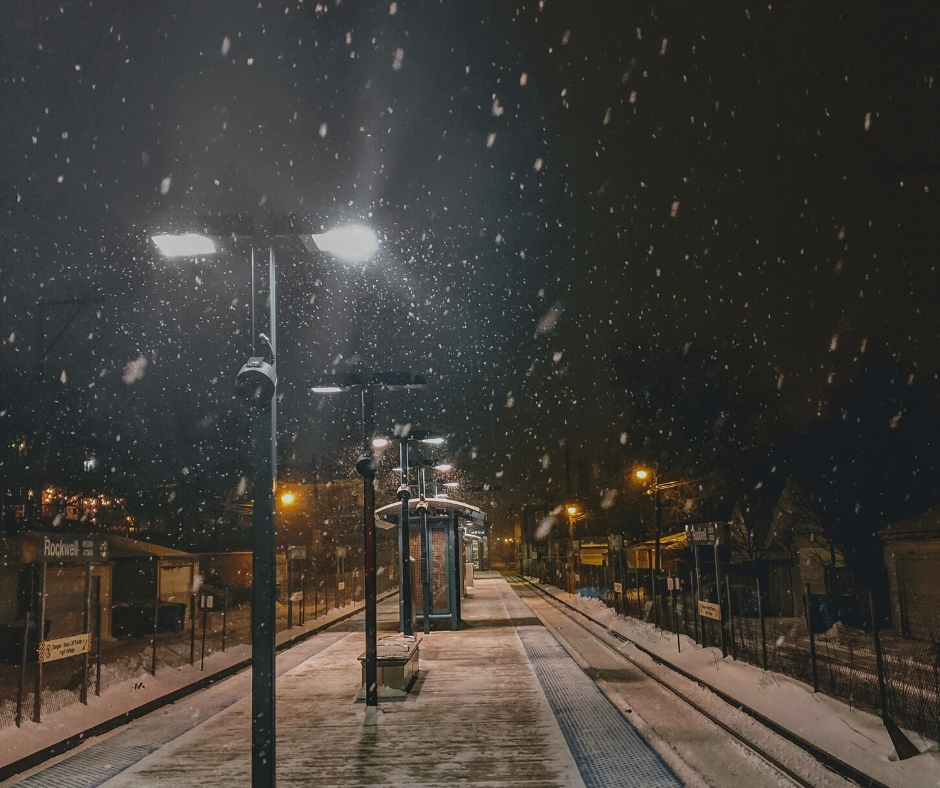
(50, 650)
(709, 610)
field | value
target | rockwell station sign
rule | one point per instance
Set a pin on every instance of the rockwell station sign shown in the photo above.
(38, 547)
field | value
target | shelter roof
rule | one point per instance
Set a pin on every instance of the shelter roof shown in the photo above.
(124, 547)
(391, 511)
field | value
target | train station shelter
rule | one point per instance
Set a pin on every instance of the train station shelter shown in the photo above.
(442, 570)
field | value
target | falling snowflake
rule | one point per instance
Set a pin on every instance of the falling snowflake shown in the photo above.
(134, 370)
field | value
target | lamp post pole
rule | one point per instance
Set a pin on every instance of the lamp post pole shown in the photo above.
(425, 574)
(258, 381)
(366, 468)
(404, 543)
(657, 502)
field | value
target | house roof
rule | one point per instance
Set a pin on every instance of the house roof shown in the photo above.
(794, 520)
(676, 541)
(925, 525)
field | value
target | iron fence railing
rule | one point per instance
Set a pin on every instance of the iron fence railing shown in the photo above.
(136, 657)
(818, 648)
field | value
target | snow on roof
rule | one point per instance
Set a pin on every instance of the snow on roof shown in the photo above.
(124, 547)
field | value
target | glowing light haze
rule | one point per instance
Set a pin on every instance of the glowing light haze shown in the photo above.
(185, 245)
(354, 244)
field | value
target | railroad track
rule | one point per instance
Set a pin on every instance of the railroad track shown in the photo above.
(612, 639)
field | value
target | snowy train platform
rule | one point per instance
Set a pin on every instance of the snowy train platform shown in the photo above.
(507, 700)
(498, 702)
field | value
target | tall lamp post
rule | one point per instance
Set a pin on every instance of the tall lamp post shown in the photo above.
(365, 467)
(258, 381)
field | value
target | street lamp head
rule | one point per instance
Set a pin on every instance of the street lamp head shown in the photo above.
(642, 474)
(185, 245)
(444, 467)
(379, 443)
(287, 498)
(433, 440)
(353, 244)
(327, 389)
(572, 510)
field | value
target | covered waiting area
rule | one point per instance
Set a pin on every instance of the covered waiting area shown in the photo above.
(438, 535)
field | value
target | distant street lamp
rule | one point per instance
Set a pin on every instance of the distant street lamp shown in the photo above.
(258, 380)
(426, 437)
(654, 488)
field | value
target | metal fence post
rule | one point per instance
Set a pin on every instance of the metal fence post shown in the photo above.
(156, 618)
(734, 648)
(812, 639)
(698, 597)
(675, 614)
(639, 608)
(98, 636)
(224, 614)
(721, 622)
(879, 663)
(763, 633)
(86, 623)
(290, 594)
(19, 690)
(192, 629)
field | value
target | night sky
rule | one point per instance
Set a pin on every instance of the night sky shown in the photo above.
(697, 234)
